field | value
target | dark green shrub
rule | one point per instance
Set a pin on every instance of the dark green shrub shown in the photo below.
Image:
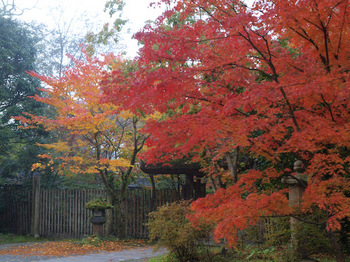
(170, 227)
(310, 234)
(311, 237)
(277, 231)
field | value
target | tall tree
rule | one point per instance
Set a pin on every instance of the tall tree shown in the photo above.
(95, 137)
(17, 55)
(272, 80)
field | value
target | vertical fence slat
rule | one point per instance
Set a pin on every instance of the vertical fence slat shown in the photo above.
(60, 215)
(79, 213)
(49, 214)
(82, 216)
(64, 212)
(44, 216)
(70, 212)
(76, 224)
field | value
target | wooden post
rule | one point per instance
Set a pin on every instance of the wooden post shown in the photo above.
(35, 205)
(297, 185)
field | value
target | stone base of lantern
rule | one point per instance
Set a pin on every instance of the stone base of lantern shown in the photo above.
(297, 185)
(98, 219)
(97, 230)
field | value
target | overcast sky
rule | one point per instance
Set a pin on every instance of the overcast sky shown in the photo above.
(45, 11)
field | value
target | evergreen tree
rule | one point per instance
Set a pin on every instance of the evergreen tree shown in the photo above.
(17, 56)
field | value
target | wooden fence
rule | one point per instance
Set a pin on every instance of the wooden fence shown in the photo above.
(138, 205)
(15, 210)
(62, 212)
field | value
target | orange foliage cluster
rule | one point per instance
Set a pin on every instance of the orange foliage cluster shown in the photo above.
(93, 137)
(67, 248)
(85, 124)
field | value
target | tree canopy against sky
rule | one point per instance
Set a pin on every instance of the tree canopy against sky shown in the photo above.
(272, 80)
(17, 55)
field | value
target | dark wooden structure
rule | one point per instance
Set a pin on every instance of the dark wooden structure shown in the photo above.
(194, 187)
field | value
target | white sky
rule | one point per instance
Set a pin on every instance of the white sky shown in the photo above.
(136, 11)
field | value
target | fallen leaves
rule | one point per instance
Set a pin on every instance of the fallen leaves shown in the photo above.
(68, 248)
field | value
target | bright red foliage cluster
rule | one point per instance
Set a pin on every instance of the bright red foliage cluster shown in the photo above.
(271, 79)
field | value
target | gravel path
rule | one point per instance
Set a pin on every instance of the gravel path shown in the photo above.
(141, 254)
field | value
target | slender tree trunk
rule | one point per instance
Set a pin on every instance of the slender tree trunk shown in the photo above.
(109, 215)
(119, 219)
(110, 196)
(154, 193)
(213, 185)
(222, 184)
(122, 223)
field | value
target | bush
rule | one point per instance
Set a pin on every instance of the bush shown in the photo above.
(311, 237)
(92, 240)
(173, 231)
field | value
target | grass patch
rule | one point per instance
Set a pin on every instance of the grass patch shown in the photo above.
(13, 238)
(158, 259)
(163, 258)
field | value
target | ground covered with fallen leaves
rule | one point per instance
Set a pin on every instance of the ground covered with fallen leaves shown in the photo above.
(71, 247)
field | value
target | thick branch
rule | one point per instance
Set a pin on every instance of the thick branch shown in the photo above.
(328, 106)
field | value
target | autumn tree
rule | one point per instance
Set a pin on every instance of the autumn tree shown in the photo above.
(94, 137)
(271, 80)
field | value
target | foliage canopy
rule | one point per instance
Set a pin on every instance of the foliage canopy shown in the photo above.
(271, 80)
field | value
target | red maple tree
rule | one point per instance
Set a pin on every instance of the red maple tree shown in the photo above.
(271, 80)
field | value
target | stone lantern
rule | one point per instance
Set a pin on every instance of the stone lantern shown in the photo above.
(98, 207)
(297, 185)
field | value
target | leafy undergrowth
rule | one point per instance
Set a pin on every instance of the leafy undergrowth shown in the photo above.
(68, 248)
(249, 253)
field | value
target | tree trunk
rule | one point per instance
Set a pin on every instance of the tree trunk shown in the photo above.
(213, 185)
(109, 215)
(120, 210)
(154, 193)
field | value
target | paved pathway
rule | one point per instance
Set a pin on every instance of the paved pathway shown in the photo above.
(135, 254)
(140, 254)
